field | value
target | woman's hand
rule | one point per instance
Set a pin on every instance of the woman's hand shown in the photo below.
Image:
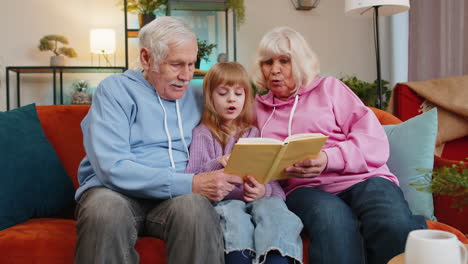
(309, 168)
(223, 159)
(253, 190)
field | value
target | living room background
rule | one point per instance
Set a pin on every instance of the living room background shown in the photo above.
(344, 44)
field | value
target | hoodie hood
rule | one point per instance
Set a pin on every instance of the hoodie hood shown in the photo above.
(137, 76)
(270, 100)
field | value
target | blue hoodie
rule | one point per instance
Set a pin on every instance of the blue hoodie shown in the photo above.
(126, 139)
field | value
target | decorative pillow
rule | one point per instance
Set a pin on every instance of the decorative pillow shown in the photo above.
(33, 182)
(412, 146)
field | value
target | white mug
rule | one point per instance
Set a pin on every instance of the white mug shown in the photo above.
(434, 247)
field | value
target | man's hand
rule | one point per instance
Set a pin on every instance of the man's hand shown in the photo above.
(214, 185)
(253, 190)
(309, 168)
(223, 159)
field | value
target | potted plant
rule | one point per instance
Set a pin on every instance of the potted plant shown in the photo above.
(51, 42)
(366, 91)
(145, 9)
(80, 96)
(451, 181)
(237, 6)
(204, 51)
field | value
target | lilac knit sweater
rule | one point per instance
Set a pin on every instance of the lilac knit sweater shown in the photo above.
(204, 151)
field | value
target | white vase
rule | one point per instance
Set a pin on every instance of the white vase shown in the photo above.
(57, 61)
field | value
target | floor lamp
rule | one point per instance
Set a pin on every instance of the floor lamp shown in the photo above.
(376, 8)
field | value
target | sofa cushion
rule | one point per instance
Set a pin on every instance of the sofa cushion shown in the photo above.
(47, 240)
(411, 148)
(33, 182)
(61, 125)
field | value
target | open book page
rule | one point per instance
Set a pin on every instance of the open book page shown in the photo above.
(296, 151)
(252, 159)
(265, 159)
(302, 136)
(257, 140)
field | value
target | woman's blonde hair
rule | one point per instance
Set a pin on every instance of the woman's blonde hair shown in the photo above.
(229, 74)
(285, 41)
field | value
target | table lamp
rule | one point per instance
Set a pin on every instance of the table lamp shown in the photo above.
(102, 42)
(376, 8)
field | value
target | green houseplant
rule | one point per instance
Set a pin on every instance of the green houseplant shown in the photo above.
(451, 181)
(238, 7)
(51, 42)
(366, 91)
(204, 51)
(144, 9)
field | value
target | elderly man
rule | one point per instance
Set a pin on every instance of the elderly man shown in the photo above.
(136, 137)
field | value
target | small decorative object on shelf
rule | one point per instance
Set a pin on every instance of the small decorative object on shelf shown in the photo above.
(305, 4)
(145, 9)
(222, 57)
(204, 51)
(80, 96)
(51, 42)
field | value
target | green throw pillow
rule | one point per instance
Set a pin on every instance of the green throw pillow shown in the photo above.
(33, 182)
(412, 146)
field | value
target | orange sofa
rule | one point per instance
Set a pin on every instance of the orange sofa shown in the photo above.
(52, 240)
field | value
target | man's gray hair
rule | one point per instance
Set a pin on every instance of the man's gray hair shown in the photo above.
(285, 41)
(162, 32)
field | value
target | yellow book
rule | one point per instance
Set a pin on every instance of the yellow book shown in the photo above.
(266, 158)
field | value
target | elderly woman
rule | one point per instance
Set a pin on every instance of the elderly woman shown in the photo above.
(350, 203)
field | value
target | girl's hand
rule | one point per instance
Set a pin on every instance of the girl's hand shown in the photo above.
(253, 190)
(309, 168)
(223, 159)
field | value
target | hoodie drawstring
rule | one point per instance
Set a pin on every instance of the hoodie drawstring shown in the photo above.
(169, 140)
(268, 120)
(291, 115)
(181, 129)
(166, 128)
(296, 98)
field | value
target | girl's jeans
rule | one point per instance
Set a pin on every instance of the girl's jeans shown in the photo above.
(367, 223)
(260, 226)
(109, 224)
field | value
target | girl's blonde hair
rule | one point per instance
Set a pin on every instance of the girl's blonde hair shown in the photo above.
(285, 41)
(229, 74)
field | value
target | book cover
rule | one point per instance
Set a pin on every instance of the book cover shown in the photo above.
(265, 158)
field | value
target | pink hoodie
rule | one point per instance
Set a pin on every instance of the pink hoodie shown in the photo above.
(357, 147)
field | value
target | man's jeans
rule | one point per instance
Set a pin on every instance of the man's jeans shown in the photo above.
(109, 224)
(367, 223)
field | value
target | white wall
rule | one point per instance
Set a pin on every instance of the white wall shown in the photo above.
(343, 44)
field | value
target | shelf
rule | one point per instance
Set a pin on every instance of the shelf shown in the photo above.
(65, 69)
(193, 5)
(56, 72)
(222, 24)
(132, 33)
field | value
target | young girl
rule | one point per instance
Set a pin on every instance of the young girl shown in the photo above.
(256, 223)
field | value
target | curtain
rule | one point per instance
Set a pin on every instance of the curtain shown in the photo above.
(438, 39)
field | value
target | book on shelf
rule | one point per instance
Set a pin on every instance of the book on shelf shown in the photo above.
(265, 159)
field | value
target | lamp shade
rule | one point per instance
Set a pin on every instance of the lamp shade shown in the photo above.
(102, 41)
(386, 7)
